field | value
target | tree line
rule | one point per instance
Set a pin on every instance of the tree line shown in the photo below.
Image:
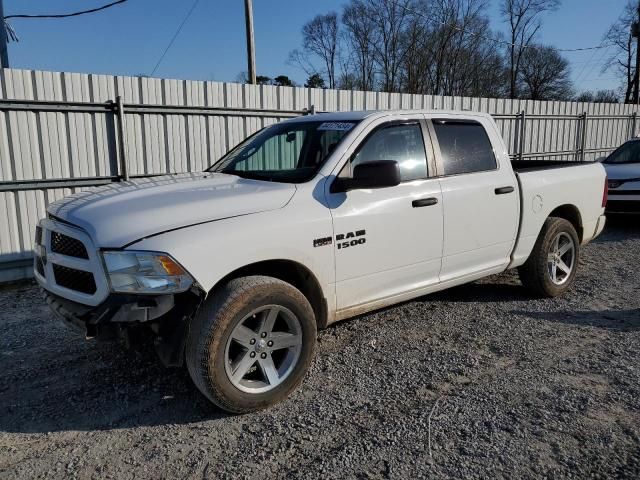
(445, 47)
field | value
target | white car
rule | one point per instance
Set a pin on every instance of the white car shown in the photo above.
(307, 222)
(623, 172)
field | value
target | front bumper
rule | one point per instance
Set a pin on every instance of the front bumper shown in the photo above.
(163, 317)
(115, 309)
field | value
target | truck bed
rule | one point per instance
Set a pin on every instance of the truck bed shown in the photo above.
(579, 190)
(535, 165)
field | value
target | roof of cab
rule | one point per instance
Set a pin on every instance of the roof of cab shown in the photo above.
(362, 114)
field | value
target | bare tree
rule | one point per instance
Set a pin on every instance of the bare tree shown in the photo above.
(450, 50)
(441, 47)
(606, 96)
(544, 74)
(523, 17)
(320, 38)
(301, 60)
(389, 19)
(359, 37)
(624, 48)
(601, 96)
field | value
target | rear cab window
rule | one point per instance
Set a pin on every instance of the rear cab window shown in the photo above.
(464, 147)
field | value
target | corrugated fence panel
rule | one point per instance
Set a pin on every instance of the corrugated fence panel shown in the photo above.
(64, 144)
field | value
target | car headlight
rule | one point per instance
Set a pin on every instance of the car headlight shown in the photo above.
(145, 272)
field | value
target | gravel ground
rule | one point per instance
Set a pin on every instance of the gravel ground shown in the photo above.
(512, 387)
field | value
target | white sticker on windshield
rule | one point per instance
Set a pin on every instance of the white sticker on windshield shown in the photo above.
(341, 126)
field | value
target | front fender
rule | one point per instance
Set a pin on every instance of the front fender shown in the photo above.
(213, 250)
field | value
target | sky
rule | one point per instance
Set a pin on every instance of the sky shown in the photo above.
(129, 39)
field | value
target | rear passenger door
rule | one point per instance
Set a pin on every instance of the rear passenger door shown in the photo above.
(480, 199)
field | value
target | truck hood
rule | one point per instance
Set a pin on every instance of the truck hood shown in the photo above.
(622, 171)
(120, 213)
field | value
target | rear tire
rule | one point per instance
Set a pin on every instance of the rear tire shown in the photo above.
(551, 267)
(251, 343)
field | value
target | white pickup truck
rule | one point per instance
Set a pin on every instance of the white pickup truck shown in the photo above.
(307, 222)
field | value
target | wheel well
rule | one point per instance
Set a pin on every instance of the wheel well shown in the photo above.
(293, 273)
(572, 215)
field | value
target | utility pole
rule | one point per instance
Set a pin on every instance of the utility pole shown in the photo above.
(251, 50)
(635, 32)
(4, 53)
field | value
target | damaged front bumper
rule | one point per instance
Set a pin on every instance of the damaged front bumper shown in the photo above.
(164, 317)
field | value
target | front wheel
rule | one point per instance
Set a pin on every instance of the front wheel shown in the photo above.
(551, 268)
(251, 343)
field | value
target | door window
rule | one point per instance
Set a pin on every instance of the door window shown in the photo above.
(465, 147)
(402, 143)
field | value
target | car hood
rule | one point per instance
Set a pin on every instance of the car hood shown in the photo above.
(622, 171)
(120, 213)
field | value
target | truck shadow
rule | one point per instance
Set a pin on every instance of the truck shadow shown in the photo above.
(620, 227)
(497, 290)
(98, 387)
(612, 320)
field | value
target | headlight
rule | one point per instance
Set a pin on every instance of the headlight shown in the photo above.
(145, 272)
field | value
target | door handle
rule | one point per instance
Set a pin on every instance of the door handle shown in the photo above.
(424, 202)
(503, 190)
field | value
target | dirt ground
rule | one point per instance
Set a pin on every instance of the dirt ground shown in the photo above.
(511, 387)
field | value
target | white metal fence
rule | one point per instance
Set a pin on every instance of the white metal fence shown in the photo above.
(61, 132)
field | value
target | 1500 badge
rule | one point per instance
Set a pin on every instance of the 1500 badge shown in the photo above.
(351, 239)
(343, 240)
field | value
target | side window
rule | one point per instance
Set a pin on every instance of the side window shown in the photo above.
(465, 147)
(402, 143)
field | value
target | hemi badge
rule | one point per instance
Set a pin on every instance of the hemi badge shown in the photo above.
(321, 242)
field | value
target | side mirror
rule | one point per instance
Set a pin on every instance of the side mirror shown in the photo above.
(376, 174)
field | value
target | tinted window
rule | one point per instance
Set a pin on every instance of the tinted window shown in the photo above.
(627, 153)
(465, 147)
(402, 143)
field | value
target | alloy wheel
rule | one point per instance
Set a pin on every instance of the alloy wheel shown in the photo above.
(561, 258)
(263, 349)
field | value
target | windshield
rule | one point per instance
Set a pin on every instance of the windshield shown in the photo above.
(284, 152)
(627, 153)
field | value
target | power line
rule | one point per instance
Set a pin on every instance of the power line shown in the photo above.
(175, 35)
(586, 64)
(590, 68)
(66, 15)
(496, 40)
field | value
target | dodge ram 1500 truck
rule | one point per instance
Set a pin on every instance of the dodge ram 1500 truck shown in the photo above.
(307, 222)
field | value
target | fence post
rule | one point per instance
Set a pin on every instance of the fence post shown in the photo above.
(583, 135)
(523, 118)
(634, 118)
(122, 160)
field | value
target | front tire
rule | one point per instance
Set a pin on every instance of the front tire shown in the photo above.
(551, 267)
(251, 343)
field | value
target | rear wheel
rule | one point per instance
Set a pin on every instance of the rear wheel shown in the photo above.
(551, 268)
(251, 343)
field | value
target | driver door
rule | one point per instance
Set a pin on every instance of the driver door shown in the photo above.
(388, 241)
